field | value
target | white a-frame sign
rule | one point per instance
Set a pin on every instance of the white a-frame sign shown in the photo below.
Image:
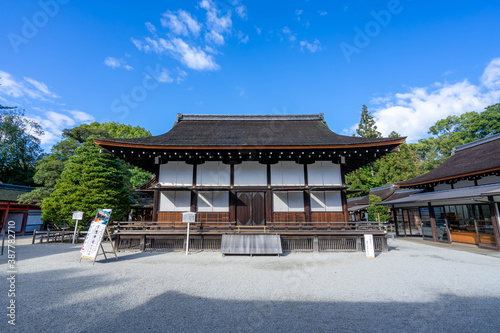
(93, 240)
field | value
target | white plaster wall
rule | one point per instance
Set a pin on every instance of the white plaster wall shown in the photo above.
(326, 201)
(176, 174)
(213, 174)
(250, 174)
(213, 201)
(287, 173)
(175, 201)
(288, 201)
(324, 173)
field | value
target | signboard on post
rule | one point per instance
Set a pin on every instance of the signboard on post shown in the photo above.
(77, 216)
(95, 234)
(188, 217)
(369, 246)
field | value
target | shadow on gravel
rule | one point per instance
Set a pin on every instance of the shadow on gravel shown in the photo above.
(124, 256)
(178, 312)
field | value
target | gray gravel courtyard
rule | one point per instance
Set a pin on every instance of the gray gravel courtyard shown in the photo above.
(415, 287)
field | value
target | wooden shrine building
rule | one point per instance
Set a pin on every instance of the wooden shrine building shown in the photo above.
(283, 173)
(459, 200)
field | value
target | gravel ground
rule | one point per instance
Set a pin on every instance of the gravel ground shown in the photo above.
(414, 287)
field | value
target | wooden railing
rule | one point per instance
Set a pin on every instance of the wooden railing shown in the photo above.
(268, 227)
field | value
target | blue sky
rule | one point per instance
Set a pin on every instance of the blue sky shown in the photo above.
(142, 62)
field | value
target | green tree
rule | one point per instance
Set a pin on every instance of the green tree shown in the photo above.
(49, 169)
(366, 127)
(19, 146)
(398, 166)
(454, 131)
(377, 213)
(90, 180)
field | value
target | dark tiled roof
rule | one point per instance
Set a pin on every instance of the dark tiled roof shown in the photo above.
(9, 192)
(446, 195)
(241, 131)
(382, 192)
(386, 193)
(475, 158)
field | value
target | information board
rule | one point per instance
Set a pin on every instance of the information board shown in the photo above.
(369, 246)
(95, 234)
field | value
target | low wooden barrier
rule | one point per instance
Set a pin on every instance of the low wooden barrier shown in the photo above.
(57, 235)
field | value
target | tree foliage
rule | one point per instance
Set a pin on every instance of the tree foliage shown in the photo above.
(366, 127)
(377, 213)
(19, 146)
(49, 169)
(454, 131)
(391, 168)
(90, 181)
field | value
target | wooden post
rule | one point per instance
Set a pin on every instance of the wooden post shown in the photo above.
(156, 200)
(433, 222)
(4, 222)
(494, 220)
(395, 218)
(307, 206)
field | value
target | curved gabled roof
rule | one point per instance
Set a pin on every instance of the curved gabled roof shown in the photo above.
(232, 131)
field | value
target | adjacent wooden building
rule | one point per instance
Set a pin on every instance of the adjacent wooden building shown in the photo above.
(27, 218)
(459, 200)
(278, 172)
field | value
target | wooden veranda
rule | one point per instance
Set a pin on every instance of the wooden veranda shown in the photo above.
(295, 236)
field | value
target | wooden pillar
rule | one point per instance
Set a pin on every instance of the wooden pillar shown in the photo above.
(433, 222)
(23, 223)
(395, 218)
(494, 211)
(156, 206)
(307, 196)
(343, 194)
(269, 196)
(232, 195)
(307, 206)
(4, 223)
(5, 218)
(194, 192)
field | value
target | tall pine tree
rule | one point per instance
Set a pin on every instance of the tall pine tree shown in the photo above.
(366, 127)
(90, 180)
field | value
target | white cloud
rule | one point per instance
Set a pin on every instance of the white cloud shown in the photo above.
(54, 122)
(413, 112)
(298, 12)
(191, 56)
(259, 30)
(214, 21)
(164, 76)
(214, 37)
(242, 38)
(491, 75)
(241, 11)
(182, 40)
(322, 13)
(41, 87)
(181, 75)
(81, 116)
(151, 28)
(28, 87)
(241, 92)
(117, 63)
(180, 23)
(311, 47)
(289, 34)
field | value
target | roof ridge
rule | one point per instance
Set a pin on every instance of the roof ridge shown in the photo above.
(476, 143)
(187, 117)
